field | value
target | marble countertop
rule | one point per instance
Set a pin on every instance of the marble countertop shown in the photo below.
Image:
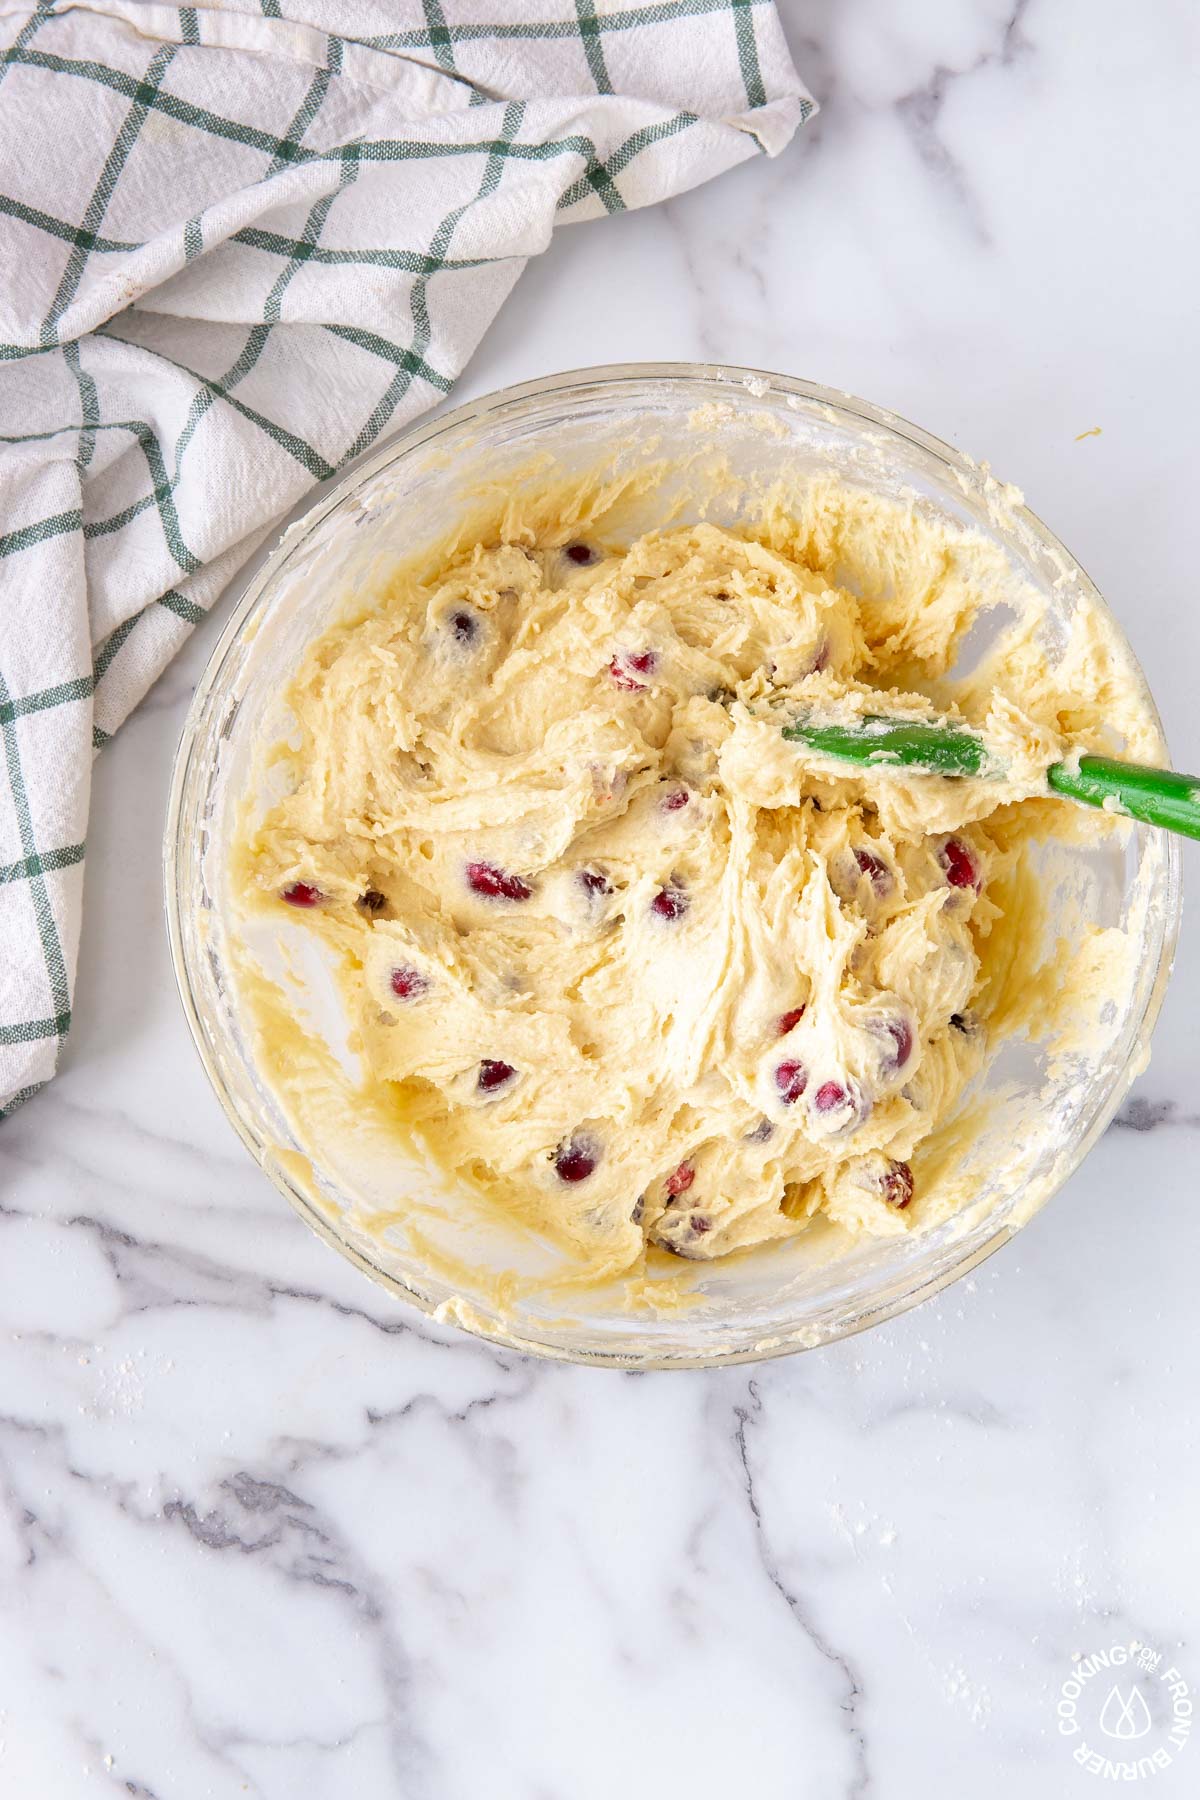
(264, 1532)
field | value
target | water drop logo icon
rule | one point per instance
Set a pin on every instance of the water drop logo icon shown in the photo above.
(1125, 1716)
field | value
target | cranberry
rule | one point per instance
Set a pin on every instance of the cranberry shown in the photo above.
(493, 1075)
(583, 554)
(789, 1020)
(830, 1096)
(876, 871)
(669, 903)
(820, 661)
(676, 800)
(898, 1185)
(576, 1158)
(302, 893)
(791, 1079)
(627, 665)
(593, 882)
(681, 1180)
(372, 901)
(761, 1132)
(959, 864)
(465, 627)
(695, 1226)
(900, 1032)
(408, 983)
(495, 883)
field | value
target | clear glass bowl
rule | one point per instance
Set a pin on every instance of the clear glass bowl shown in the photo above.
(788, 1295)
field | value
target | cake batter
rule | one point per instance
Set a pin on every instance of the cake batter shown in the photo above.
(634, 967)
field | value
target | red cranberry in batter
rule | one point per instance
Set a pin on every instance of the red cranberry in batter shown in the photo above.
(302, 893)
(575, 1159)
(408, 983)
(876, 871)
(900, 1033)
(842, 1102)
(962, 871)
(495, 883)
(791, 1079)
(669, 903)
(628, 666)
(493, 1075)
(898, 1185)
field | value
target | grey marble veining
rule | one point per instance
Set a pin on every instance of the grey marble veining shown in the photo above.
(265, 1533)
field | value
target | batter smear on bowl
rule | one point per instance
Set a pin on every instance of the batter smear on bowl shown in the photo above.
(629, 964)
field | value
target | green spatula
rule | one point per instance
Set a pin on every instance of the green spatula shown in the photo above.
(1155, 796)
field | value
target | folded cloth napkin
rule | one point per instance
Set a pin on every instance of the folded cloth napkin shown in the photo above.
(237, 249)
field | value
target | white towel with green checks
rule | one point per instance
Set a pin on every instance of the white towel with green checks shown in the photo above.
(239, 245)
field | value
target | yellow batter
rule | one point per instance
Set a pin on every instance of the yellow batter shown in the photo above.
(640, 971)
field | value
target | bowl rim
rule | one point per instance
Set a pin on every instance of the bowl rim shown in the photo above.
(732, 377)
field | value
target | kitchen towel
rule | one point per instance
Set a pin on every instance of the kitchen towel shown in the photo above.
(237, 248)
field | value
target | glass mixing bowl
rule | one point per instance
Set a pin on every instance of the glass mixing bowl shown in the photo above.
(787, 1295)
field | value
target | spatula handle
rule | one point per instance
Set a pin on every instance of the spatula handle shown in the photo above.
(1155, 796)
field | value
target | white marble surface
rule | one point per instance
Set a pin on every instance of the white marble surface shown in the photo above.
(263, 1532)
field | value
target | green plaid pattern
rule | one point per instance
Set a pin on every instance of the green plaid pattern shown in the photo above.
(238, 247)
